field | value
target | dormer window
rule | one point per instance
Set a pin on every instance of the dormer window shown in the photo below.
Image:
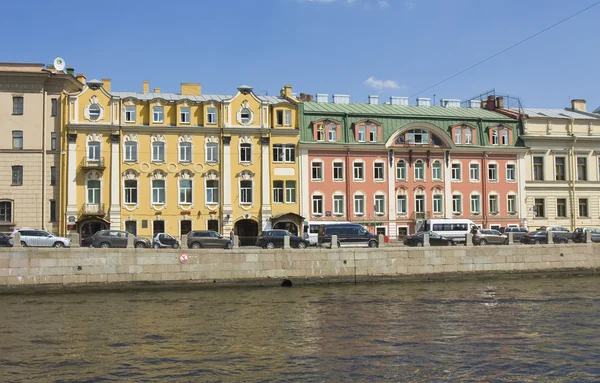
(494, 137)
(158, 113)
(362, 135)
(468, 136)
(418, 136)
(373, 133)
(320, 133)
(504, 137)
(332, 133)
(500, 135)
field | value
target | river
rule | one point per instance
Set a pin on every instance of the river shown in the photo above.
(496, 330)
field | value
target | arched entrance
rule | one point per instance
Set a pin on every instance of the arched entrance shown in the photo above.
(88, 227)
(287, 225)
(287, 221)
(247, 231)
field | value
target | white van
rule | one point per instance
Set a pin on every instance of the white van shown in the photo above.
(456, 229)
(310, 230)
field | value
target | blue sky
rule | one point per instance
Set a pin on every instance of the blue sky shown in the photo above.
(355, 47)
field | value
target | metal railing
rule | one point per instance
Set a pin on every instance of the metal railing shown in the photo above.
(96, 209)
(88, 163)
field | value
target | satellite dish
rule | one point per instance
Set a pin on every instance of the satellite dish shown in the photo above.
(59, 63)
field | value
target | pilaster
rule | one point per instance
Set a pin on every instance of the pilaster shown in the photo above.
(114, 214)
(226, 184)
(266, 183)
(71, 179)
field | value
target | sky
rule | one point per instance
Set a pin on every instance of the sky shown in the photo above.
(354, 47)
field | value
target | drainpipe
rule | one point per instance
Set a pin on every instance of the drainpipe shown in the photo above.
(43, 210)
(572, 174)
(348, 171)
(484, 202)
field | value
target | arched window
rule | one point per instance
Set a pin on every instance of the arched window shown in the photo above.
(436, 171)
(419, 170)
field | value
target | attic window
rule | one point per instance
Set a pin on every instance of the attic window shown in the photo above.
(94, 111)
(245, 116)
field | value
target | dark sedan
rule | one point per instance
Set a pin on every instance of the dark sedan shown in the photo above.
(435, 239)
(4, 240)
(270, 239)
(541, 236)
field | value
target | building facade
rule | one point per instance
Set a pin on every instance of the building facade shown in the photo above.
(31, 107)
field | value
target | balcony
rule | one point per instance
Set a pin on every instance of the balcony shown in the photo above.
(92, 210)
(421, 215)
(90, 164)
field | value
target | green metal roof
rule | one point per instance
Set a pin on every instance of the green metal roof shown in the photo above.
(373, 110)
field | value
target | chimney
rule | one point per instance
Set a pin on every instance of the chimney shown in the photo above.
(106, 84)
(373, 100)
(322, 97)
(70, 71)
(190, 89)
(499, 102)
(156, 90)
(146, 86)
(81, 78)
(423, 101)
(578, 105)
(475, 104)
(286, 91)
(449, 103)
(490, 103)
(341, 99)
(305, 97)
(395, 100)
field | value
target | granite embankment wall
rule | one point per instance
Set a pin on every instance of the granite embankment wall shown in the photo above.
(47, 268)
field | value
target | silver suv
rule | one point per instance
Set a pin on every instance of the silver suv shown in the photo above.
(39, 238)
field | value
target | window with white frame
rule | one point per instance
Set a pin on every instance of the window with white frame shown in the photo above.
(129, 113)
(184, 115)
(419, 203)
(185, 152)
(93, 192)
(131, 151)
(511, 172)
(131, 192)
(401, 170)
(212, 191)
(379, 171)
(511, 204)
(338, 205)
(93, 150)
(417, 136)
(287, 121)
(290, 191)
(436, 171)
(456, 172)
(158, 151)
(279, 118)
(277, 191)
(212, 152)
(359, 204)
(474, 172)
(362, 133)
(493, 204)
(185, 191)
(320, 133)
(317, 204)
(402, 204)
(475, 204)
(419, 170)
(358, 171)
(458, 135)
(493, 172)
(505, 137)
(332, 133)
(158, 114)
(379, 204)
(317, 171)
(581, 169)
(245, 116)
(338, 171)
(468, 136)
(246, 192)
(246, 153)
(494, 137)
(211, 115)
(158, 192)
(373, 133)
(284, 153)
(457, 204)
(438, 204)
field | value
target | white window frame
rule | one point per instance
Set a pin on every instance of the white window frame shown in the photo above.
(359, 205)
(317, 204)
(130, 113)
(278, 191)
(156, 192)
(457, 204)
(341, 171)
(332, 133)
(474, 167)
(379, 167)
(402, 204)
(339, 204)
(373, 133)
(94, 150)
(401, 167)
(456, 171)
(213, 187)
(191, 192)
(496, 199)
(95, 193)
(493, 168)
(129, 191)
(475, 203)
(316, 167)
(458, 136)
(419, 166)
(358, 167)
(291, 187)
(362, 133)
(211, 115)
(509, 171)
(420, 203)
(287, 118)
(185, 150)
(379, 204)
(438, 204)
(505, 137)
(158, 151)
(245, 153)
(212, 152)
(495, 138)
(511, 199)
(130, 151)
(184, 114)
(158, 114)
(246, 192)
(468, 136)
(436, 167)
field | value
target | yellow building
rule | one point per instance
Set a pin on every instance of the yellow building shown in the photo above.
(176, 162)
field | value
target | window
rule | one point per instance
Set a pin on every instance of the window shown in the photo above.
(184, 115)
(290, 191)
(17, 136)
(131, 192)
(358, 171)
(212, 191)
(379, 171)
(373, 133)
(418, 136)
(211, 115)
(94, 112)
(561, 207)
(53, 211)
(475, 204)
(419, 170)
(246, 192)
(5, 211)
(359, 204)
(246, 153)
(338, 171)
(93, 151)
(53, 108)
(401, 170)
(245, 116)
(456, 204)
(158, 114)
(185, 191)
(438, 204)
(277, 191)
(317, 171)
(158, 191)
(458, 135)
(581, 169)
(279, 118)
(158, 152)
(17, 105)
(362, 133)
(287, 121)
(468, 136)
(320, 133)
(419, 204)
(52, 175)
(129, 113)
(474, 172)
(493, 172)
(93, 192)
(185, 152)
(52, 141)
(511, 206)
(402, 204)
(583, 207)
(538, 168)
(456, 172)
(436, 171)
(131, 227)
(380, 204)
(17, 175)
(212, 152)
(338, 204)
(494, 137)
(284, 153)
(493, 204)
(317, 204)
(538, 208)
(332, 133)
(559, 166)
(505, 137)
(130, 151)
(511, 172)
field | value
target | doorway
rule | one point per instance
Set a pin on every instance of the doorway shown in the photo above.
(247, 231)
(158, 227)
(185, 228)
(213, 224)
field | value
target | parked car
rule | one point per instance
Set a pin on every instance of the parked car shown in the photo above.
(517, 232)
(492, 237)
(579, 234)
(4, 240)
(562, 232)
(39, 238)
(541, 236)
(349, 234)
(87, 241)
(162, 240)
(207, 239)
(270, 239)
(117, 238)
(435, 239)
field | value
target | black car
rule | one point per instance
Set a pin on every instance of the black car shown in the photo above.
(580, 234)
(162, 240)
(541, 236)
(434, 239)
(517, 232)
(270, 239)
(4, 240)
(560, 231)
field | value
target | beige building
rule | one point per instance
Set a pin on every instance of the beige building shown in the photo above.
(563, 166)
(30, 122)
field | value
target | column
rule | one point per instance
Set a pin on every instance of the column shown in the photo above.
(71, 213)
(521, 179)
(266, 184)
(114, 214)
(226, 185)
(303, 185)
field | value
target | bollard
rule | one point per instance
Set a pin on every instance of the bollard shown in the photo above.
(381, 239)
(286, 242)
(75, 242)
(511, 238)
(130, 241)
(334, 241)
(425, 240)
(549, 234)
(184, 241)
(588, 236)
(236, 241)
(17, 240)
(468, 239)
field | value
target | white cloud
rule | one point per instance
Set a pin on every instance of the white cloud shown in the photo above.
(382, 84)
(410, 4)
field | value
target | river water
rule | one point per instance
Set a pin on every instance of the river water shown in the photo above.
(496, 330)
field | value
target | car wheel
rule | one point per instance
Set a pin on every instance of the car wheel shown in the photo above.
(564, 240)
(483, 242)
(196, 245)
(176, 246)
(58, 244)
(419, 244)
(301, 245)
(105, 245)
(156, 246)
(506, 241)
(536, 242)
(372, 244)
(450, 243)
(140, 245)
(270, 245)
